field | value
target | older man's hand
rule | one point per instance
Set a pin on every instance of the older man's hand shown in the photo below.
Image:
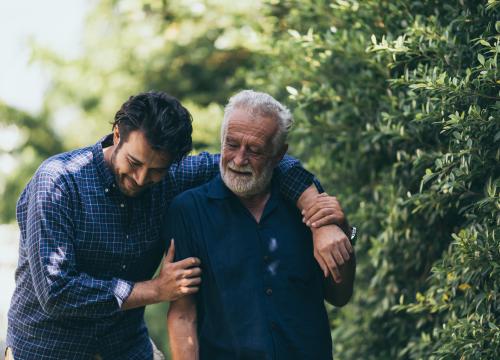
(323, 210)
(324, 215)
(332, 249)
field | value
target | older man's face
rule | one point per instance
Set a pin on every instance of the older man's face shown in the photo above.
(248, 157)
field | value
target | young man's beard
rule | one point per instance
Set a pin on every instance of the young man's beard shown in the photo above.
(246, 185)
(120, 178)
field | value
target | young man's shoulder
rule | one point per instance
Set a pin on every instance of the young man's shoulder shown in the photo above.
(67, 165)
(192, 196)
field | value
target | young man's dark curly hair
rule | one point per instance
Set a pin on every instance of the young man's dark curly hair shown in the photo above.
(166, 124)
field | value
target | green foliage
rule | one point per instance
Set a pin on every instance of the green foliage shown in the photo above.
(397, 111)
(26, 141)
(396, 107)
(196, 51)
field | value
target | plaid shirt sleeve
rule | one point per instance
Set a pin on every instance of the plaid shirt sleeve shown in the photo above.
(193, 171)
(62, 290)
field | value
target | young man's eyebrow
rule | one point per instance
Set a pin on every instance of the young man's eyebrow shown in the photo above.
(140, 163)
(134, 159)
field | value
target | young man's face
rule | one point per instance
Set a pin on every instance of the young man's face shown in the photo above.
(135, 164)
(248, 154)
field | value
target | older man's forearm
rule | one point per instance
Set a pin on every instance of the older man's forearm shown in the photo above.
(182, 329)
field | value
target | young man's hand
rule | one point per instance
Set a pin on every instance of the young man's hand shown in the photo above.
(175, 280)
(179, 278)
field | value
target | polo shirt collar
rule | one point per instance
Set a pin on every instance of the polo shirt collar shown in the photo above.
(218, 190)
(106, 175)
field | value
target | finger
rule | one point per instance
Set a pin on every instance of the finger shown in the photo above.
(316, 198)
(332, 266)
(188, 263)
(332, 219)
(328, 202)
(171, 252)
(322, 213)
(186, 290)
(191, 281)
(192, 272)
(321, 263)
(311, 210)
(339, 260)
(343, 251)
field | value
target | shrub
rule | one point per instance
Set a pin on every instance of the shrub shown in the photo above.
(396, 105)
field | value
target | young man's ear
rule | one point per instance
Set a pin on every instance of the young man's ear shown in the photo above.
(116, 135)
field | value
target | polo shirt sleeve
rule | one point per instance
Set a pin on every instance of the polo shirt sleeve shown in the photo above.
(62, 290)
(175, 227)
(193, 171)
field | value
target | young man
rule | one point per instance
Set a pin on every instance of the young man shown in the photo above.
(90, 236)
(262, 292)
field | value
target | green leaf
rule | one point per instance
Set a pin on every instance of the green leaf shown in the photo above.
(484, 42)
(295, 34)
(480, 57)
(292, 91)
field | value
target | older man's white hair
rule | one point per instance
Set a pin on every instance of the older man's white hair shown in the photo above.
(259, 104)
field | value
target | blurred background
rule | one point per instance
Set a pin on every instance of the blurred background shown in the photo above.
(396, 107)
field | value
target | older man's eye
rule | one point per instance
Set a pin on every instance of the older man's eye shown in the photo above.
(255, 151)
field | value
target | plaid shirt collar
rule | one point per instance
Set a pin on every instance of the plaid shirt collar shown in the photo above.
(106, 175)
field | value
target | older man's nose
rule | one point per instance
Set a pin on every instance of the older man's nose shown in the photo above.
(241, 158)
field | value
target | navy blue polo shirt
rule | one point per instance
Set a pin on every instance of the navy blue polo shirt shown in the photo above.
(261, 295)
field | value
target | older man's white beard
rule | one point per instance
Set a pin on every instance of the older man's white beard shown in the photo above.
(246, 185)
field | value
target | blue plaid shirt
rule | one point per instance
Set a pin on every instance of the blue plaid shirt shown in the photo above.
(83, 244)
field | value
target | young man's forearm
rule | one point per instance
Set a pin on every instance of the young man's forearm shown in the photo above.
(143, 293)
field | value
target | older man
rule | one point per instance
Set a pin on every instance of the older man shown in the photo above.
(262, 294)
